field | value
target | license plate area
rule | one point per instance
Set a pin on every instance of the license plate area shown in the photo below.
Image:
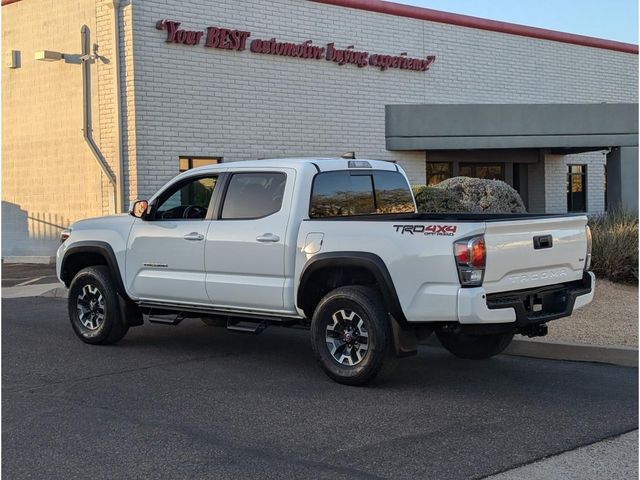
(535, 306)
(542, 304)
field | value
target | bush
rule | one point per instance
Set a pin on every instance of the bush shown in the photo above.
(468, 195)
(615, 246)
(435, 200)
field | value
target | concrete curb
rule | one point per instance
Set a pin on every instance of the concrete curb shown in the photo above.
(34, 290)
(34, 259)
(59, 292)
(574, 352)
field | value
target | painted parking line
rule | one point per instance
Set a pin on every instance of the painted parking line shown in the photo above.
(33, 280)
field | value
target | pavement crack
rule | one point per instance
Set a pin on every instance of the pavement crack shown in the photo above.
(115, 373)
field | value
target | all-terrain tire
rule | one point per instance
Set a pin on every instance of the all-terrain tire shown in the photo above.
(476, 347)
(345, 314)
(94, 309)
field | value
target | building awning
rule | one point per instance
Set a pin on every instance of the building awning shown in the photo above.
(570, 127)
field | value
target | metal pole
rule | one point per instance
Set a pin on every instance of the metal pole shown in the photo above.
(87, 129)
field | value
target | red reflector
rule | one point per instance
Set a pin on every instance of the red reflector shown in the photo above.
(462, 253)
(478, 253)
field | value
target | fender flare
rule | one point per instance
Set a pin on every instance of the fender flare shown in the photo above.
(101, 248)
(369, 261)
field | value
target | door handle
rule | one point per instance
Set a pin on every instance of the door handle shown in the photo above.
(194, 236)
(268, 238)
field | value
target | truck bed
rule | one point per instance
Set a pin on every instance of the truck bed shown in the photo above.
(450, 217)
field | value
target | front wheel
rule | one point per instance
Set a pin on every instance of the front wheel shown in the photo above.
(94, 307)
(475, 347)
(351, 334)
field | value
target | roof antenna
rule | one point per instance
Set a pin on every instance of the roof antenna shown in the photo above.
(348, 155)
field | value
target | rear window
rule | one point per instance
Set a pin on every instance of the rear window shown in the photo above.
(345, 193)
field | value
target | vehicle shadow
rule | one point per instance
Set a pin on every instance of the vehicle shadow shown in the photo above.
(289, 352)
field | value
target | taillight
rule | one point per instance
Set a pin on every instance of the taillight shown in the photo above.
(471, 258)
(587, 260)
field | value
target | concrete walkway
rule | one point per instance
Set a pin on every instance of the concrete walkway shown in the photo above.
(612, 458)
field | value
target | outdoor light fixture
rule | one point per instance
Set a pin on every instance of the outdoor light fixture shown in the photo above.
(49, 56)
(14, 59)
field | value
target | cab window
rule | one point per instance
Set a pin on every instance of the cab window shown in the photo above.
(344, 193)
(253, 195)
(187, 201)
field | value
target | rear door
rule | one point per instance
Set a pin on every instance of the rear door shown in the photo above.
(534, 252)
(245, 245)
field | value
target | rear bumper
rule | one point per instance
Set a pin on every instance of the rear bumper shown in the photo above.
(525, 307)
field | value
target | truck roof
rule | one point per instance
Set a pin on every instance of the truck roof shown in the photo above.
(324, 164)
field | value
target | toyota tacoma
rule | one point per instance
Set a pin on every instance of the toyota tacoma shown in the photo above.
(332, 245)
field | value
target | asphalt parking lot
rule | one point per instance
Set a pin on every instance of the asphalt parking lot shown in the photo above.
(15, 274)
(198, 402)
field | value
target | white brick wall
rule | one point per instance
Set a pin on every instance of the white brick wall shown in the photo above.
(240, 105)
(128, 107)
(555, 167)
(49, 176)
(555, 171)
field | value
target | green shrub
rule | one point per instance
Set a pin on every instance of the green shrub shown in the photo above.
(484, 196)
(435, 200)
(468, 195)
(615, 246)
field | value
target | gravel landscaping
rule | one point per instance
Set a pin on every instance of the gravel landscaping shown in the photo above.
(611, 319)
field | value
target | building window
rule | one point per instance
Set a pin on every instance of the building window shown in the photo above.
(437, 172)
(576, 188)
(488, 171)
(187, 163)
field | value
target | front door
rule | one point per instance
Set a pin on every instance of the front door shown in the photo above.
(246, 243)
(165, 257)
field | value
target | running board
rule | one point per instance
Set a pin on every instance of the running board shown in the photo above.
(193, 310)
(166, 319)
(241, 326)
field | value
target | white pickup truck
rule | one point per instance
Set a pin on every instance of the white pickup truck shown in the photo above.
(334, 245)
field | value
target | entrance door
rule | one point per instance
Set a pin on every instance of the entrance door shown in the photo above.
(165, 257)
(246, 245)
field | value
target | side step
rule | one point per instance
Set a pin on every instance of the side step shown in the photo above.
(166, 319)
(241, 326)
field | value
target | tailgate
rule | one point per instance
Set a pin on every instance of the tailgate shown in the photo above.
(532, 253)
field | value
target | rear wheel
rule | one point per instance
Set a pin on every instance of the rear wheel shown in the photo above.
(94, 308)
(476, 347)
(351, 334)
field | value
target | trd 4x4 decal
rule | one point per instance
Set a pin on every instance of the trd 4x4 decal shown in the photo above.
(442, 230)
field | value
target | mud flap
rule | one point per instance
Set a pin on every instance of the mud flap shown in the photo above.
(130, 312)
(404, 340)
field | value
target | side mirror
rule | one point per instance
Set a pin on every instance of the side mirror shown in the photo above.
(139, 208)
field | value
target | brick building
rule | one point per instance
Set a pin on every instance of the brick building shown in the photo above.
(96, 117)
